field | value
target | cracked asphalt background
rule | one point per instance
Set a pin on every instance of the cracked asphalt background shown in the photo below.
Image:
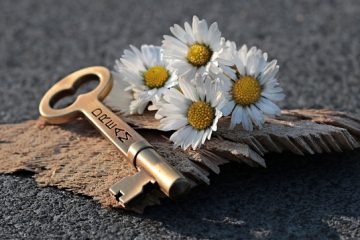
(318, 49)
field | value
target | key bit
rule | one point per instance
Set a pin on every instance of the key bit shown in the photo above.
(152, 168)
(130, 187)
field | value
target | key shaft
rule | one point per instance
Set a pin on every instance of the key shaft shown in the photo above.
(110, 125)
(151, 166)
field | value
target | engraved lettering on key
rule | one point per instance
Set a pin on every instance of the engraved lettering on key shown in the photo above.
(152, 168)
(102, 116)
(96, 112)
(110, 124)
(117, 133)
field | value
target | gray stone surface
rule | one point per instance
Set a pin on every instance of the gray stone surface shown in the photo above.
(317, 45)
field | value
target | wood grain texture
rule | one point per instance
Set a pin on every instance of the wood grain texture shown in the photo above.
(76, 158)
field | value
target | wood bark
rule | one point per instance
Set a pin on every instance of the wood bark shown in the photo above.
(75, 157)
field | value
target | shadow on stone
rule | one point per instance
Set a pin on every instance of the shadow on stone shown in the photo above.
(295, 197)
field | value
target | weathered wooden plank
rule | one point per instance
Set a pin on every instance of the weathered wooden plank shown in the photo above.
(75, 157)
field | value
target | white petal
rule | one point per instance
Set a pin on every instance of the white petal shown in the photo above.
(273, 89)
(255, 115)
(218, 115)
(179, 32)
(229, 72)
(188, 136)
(202, 87)
(268, 107)
(269, 72)
(197, 139)
(214, 37)
(242, 54)
(151, 55)
(174, 97)
(228, 108)
(119, 99)
(188, 89)
(171, 43)
(170, 109)
(273, 96)
(179, 137)
(190, 35)
(181, 65)
(138, 106)
(201, 32)
(246, 121)
(173, 124)
(206, 135)
(236, 116)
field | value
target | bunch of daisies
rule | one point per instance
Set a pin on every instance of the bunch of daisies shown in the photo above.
(195, 78)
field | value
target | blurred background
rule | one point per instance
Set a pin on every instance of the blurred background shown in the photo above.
(317, 45)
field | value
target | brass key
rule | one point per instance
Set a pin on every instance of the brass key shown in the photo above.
(150, 165)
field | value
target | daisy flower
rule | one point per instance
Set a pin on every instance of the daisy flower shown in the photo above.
(119, 99)
(250, 87)
(194, 48)
(147, 74)
(193, 111)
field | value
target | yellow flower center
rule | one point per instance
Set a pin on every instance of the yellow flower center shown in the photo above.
(155, 77)
(199, 54)
(246, 90)
(200, 115)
